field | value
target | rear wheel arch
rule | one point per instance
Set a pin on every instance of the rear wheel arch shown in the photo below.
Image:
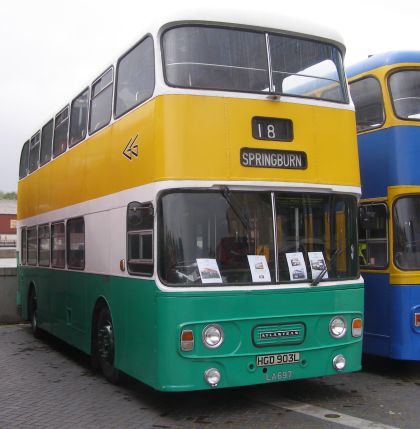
(103, 332)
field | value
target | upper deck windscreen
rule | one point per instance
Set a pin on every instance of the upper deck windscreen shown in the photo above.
(405, 93)
(248, 61)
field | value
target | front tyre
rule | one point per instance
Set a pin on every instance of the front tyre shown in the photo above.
(104, 345)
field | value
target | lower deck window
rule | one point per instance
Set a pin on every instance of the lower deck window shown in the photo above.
(256, 237)
(140, 238)
(58, 246)
(32, 245)
(23, 246)
(76, 244)
(44, 245)
(373, 236)
(407, 233)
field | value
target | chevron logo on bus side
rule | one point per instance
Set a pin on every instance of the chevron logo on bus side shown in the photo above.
(131, 149)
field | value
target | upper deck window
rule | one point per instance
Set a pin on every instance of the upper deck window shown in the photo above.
(248, 61)
(24, 161)
(34, 146)
(46, 142)
(368, 102)
(78, 118)
(306, 68)
(405, 94)
(61, 129)
(216, 58)
(135, 77)
(101, 101)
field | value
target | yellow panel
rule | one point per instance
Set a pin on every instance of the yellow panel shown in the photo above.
(182, 137)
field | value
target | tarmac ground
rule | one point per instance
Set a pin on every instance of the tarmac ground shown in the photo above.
(47, 384)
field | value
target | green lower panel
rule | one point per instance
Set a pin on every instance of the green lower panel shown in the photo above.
(148, 325)
(242, 371)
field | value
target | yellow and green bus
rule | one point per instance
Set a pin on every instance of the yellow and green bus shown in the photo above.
(189, 218)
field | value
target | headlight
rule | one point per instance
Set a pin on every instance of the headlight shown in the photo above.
(337, 327)
(212, 377)
(339, 362)
(212, 336)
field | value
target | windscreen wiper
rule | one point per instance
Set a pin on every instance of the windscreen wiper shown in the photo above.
(234, 206)
(320, 276)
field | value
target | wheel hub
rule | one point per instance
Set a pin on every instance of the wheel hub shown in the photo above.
(106, 342)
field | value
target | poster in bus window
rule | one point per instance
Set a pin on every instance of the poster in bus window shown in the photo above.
(317, 262)
(259, 268)
(209, 271)
(297, 267)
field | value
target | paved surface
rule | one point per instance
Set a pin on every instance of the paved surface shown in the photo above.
(47, 384)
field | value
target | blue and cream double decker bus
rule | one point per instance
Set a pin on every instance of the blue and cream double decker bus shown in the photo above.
(190, 217)
(386, 92)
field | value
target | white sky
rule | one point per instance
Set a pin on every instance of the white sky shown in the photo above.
(50, 50)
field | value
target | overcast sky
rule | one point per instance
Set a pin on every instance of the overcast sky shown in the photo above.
(50, 50)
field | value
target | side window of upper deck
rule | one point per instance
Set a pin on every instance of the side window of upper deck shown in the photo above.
(24, 161)
(368, 102)
(135, 77)
(373, 235)
(46, 142)
(34, 147)
(78, 118)
(101, 101)
(61, 132)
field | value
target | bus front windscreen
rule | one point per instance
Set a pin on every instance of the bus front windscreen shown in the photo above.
(407, 233)
(244, 238)
(228, 59)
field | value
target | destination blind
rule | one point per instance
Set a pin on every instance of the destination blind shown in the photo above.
(270, 158)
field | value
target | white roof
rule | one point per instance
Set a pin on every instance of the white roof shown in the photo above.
(255, 19)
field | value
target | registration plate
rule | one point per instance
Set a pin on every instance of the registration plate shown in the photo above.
(278, 359)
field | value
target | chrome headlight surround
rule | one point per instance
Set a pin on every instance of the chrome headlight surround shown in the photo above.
(338, 327)
(339, 362)
(212, 336)
(212, 376)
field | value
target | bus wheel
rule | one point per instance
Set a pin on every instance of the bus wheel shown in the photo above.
(104, 345)
(33, 314)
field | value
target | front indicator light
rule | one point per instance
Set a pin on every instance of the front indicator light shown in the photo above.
(339, 362)
(212, 336)
(187, 340)
(416, 320)
(356, 327)
(338, 327)
(212, 377)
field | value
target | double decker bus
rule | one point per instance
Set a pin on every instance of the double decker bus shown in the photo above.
(385, 89)
(190, 217)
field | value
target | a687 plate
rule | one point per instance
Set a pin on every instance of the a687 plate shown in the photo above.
(277, 359)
